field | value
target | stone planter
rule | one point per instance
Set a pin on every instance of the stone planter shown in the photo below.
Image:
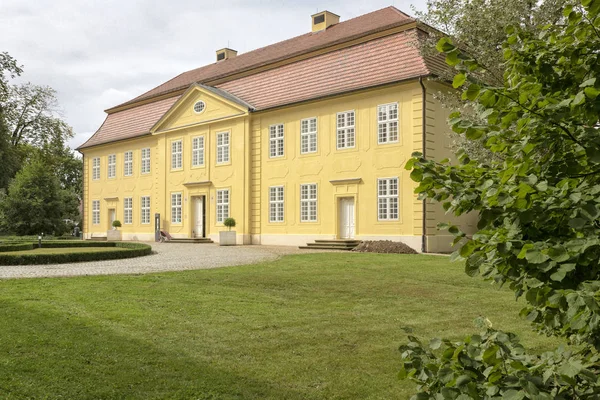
(114, 235)
(227, 238)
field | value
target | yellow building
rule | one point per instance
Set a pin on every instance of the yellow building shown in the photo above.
(302, 140)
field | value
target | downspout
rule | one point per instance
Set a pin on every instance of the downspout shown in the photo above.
(424, 151)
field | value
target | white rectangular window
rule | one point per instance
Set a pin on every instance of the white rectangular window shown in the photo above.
(308, 135)
(387, 199)
(308, 202)
(222, 205)
(146, 160)
(222, 147)
(176, 154)
(128, 210)
(112, 165)
(96, 168)
(128, 165)
(276, 204)
(198, 151)
(96, 212)
(176, 208)
(276, 140)
(387, 121)
(145, 207)
(345, 130)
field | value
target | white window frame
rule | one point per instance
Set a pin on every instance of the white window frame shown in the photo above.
(388, 199)
(145, 210)
(276, 141)
(308, 135)
(177, 154)
(128, 163)
(309, 208)
(345, 130)
(128, 210)
(96, 168)
(223, 143)
(387, 123)
(95, 212)
(111, 166)
(176, 208)
(145, 160)
(276, 204)
(222, 203)
(198, 151)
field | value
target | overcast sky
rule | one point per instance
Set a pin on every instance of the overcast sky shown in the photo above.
(97, 54)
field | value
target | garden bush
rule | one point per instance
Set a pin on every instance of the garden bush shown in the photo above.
(15, 246)
(132, 250)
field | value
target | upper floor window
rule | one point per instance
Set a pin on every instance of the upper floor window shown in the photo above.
(308, 202)
(198, 151)
(176, 208)
(276, 140)
(222, 205)
(128, 166)
(276, 204)
(145, 207)
(308, 135)
(387, 120)
(112, 165)
(128, 210)
(345, 130)
(387, 199)
(146, 160)
(176, 154)
(222, 147)
(96, 168)
(96, 212)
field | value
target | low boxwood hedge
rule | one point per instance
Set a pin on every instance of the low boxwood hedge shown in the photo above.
(133, 250)
(15, 246)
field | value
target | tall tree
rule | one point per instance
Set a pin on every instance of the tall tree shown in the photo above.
(539, 207)
(10, 162)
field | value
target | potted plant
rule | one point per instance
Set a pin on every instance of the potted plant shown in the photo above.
(115, 233)
(227, 238)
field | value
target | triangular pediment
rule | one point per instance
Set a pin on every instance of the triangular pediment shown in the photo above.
(200, 105)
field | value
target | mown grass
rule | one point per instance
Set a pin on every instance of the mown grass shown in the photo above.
(314, 326)
(61, 250)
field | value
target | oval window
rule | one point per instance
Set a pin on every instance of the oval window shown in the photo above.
(199, 107)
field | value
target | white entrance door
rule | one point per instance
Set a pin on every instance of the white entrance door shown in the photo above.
(112, 215)
(347, 218)
(199, 216)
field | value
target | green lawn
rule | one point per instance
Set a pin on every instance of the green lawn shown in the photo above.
(312, 326)
(66, 250)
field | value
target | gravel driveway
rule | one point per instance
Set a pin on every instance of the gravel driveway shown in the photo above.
(167, 257)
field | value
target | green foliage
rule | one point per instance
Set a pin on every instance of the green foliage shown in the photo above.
(15, 246)
(36, 202)
(229, 222)
(132, 250)
(116, 223)
(538, 202)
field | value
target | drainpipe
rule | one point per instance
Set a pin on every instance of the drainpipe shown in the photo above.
(424, 151)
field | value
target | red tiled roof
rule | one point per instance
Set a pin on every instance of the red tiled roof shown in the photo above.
(363, 25)
(130, 123)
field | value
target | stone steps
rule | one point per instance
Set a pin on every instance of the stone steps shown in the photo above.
(335, 244)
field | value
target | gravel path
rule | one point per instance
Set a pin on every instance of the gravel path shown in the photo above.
(167, 257)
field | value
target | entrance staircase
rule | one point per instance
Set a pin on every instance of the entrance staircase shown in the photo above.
(189, 240)
(335, 244)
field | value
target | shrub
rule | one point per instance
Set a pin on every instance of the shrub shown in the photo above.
(229, 222)
(133, 250)
(15, 247)
(116, 223)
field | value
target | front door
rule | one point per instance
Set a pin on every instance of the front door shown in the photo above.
(346, 218)
(198, 216)
(112, 215)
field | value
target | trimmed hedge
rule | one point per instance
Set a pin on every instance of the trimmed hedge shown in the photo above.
(133, 250)
(15, 247)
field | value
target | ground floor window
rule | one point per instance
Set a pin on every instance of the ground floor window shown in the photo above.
(387, 198)
(96, 212)
(128, 210)
(145, 207)
(176, 208)
(222, 205)
(308, 202)
(276, 204)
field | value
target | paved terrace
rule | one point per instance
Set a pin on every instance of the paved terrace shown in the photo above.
(167, 257)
